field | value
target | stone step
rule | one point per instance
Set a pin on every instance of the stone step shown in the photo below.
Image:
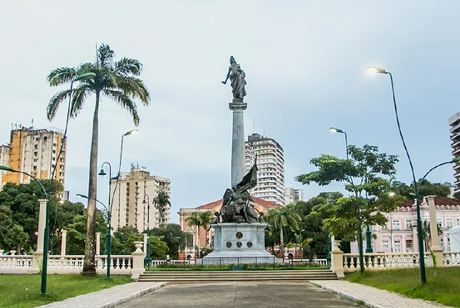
(227, 276)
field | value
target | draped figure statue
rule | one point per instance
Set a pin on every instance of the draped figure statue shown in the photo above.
(237, 79)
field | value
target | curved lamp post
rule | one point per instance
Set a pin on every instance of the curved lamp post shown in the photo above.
(377, 70)
(107, 234)
(147, 259)
(360, 233)
(131, 132)
(46, 231)
(108, 247)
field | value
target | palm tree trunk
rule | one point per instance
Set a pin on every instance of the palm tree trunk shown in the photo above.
(198, 240)
(89, 265)
(282, 242)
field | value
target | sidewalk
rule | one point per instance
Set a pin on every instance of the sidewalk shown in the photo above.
(108, 298)
(372, 297)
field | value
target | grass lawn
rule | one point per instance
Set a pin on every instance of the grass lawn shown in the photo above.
(23, 291)
(442, 286)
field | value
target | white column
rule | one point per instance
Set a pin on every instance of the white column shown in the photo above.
(41, 225)
(98, 243)
(433, 223)
(415, 239)
(238, 148)
(145, 242)
(63, 242)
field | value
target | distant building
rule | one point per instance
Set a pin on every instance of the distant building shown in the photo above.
(399, 235)
(127, 207)
(33, 151)
(454, 123)
(292, 196)
(270, 164)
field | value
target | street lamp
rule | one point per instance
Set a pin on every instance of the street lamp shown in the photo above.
(377, 70)
(147, 258)
(360, 235)
(108, 247)
(107, 234)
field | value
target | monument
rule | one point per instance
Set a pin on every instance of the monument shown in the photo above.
(239, 230)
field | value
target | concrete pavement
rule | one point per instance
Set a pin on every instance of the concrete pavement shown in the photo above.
(324, 293)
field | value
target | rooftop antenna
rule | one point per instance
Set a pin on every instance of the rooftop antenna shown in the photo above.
(254, 126)
(32, 124)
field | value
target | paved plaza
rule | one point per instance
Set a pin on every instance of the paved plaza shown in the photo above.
(242, 295)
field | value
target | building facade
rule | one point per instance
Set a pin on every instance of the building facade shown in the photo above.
(292, 196)
(399, 235)
(454, 123)
(34, 151)
(127, 205)
(270, 164)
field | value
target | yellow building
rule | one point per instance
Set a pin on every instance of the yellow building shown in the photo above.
(34, 151)
(127, 206)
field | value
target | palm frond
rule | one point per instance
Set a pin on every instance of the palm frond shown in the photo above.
(128, 66)
(79, 96)
(125, 102)
(105, 56)
(53, 105)
(61, 75)
(134, 87)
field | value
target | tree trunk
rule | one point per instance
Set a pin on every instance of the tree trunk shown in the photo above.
(282, 243)
(198, 240)
(89, 264)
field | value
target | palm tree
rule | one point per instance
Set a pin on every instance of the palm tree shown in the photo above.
(161, 201)
(199, 219)
(282, 217)
(116, 81)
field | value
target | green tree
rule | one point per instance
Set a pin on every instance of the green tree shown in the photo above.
(283, 217)
(161, 202)
(364, 176)
(116, 81)
(426, 188)
(173, 236)
(12, 235)
(200, 220)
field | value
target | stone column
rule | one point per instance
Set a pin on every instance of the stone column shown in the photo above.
(415, 239)
(63, 242)
(238, 148)
(145, 241)
(337, 260)
(41, 225)
(98, 243)
(138, 262)
(437, 250)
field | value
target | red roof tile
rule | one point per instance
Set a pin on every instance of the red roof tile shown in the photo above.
(438, 200)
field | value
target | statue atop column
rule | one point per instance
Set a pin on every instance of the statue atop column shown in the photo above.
(237, 79)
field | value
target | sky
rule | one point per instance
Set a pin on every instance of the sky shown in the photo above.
(305, 65)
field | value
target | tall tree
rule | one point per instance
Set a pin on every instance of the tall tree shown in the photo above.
(116, 81)
(200, 220)
(161, 202)
(283, 217)
(366, 176)
(173, 236)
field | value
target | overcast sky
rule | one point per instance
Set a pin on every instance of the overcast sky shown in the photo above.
(305, 67)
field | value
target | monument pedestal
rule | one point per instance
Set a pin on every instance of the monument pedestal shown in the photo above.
(239, 243)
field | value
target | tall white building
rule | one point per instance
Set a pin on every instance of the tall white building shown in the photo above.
(292, 196)
(454, 123)
(34, 151)
(127, 206)
(270, 164)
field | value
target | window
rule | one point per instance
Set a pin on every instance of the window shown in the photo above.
(396, 224)
(408, 246)
(449, 222)
(408, 224)
(439, 221)
(457, 221)
(385, 244)
(397, 246)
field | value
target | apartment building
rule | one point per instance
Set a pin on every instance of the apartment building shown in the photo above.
(34, 151)
(454, 123)
(270, 164)
(127, 206)
(292, 196)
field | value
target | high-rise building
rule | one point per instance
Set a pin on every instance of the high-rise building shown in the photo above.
(127, 206)
(4, 161)
(454, 123)
(270, 164)
(292, 196)
(34, 151)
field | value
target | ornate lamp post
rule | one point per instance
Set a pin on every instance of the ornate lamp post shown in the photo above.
(147, 259)
(108, 247)
(107, 234)
(360, 233)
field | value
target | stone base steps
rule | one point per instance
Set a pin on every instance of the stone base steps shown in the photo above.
(173, 277)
